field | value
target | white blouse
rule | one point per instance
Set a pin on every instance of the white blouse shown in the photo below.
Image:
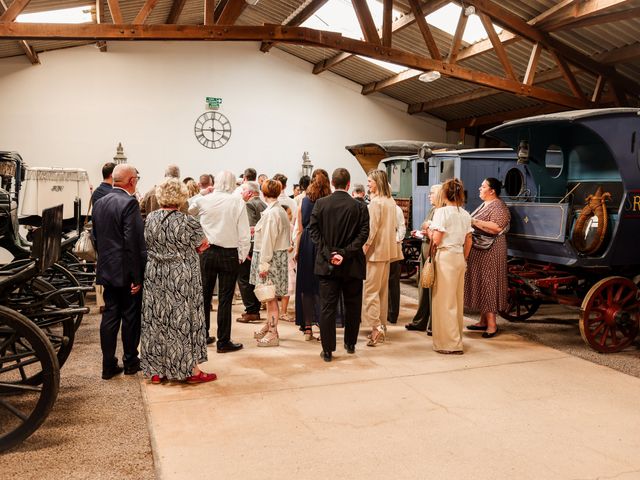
(455, 223)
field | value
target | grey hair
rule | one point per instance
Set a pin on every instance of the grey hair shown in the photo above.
(172, 171)
(434, 188)
(253, 186)
(358, 188)
(225, 181)
(123, 172)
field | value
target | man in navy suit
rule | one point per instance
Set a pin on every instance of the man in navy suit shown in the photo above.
(118, 231)
(339, 227)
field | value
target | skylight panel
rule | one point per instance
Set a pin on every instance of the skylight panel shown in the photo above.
(339, 16)
(65, 15)
(446, 19)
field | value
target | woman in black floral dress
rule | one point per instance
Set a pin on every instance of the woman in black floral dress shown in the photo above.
(173, 339)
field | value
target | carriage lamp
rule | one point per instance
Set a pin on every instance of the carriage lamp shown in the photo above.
(523, 152)
(120, 156)
(307, 166)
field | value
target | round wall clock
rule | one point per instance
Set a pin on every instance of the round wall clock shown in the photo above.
(212, 129)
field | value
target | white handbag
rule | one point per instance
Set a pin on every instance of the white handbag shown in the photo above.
(265, 292)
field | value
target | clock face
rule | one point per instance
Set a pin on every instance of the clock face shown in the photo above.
(212, 129)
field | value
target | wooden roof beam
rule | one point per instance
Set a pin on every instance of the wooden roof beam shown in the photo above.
(451, 100)
(144, 12)
(232, 10)
(568, 75)
(387, 22)
(116, 13)
(15, 9)
(374, 87)
(497, 46)
(579, 11)
(331, 62)
(529, 75)
(620, 55)
(599, 88)
(596, 20)
(26, 48)
(416, 10)
(176, 9)
(403, 22)
(365, 20)
(209, 11)
(298, 19)
(457, 37)
(497, 118)
(514, 23)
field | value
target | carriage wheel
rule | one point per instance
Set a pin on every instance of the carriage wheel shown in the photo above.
(84, 272)
(25, 352)
(610, 314)
(60, 277)
(30, 299)
(521, 302)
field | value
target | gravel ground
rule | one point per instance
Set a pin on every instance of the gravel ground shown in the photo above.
(96, 430)
(556, 326)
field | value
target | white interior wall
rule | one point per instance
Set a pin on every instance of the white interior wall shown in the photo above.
(74, 108)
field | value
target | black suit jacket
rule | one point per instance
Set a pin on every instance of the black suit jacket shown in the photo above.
(118, 231)
(340, 224)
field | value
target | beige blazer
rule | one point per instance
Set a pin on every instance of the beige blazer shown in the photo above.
(383, 246)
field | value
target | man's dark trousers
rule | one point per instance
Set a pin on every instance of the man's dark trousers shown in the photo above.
(330, 288)
(120, 306)
(249, 299)
(219, 263)
(394, 292)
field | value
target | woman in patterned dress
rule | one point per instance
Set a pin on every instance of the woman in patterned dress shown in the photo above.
(486, 284)
(270, 259)
(173, 338)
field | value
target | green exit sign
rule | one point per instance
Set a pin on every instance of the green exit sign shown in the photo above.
(214, 102)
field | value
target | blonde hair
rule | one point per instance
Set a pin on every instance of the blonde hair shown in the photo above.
(171, 192)
(438, 201)
(382, 182)
(192, 188)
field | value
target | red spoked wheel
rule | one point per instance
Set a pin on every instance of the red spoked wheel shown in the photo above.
(610, 314)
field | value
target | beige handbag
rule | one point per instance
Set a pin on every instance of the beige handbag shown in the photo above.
(428, 276)
(84, 248)
(265, 292)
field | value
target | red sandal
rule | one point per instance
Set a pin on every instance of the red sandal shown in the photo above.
(157, 379)
(202, 378)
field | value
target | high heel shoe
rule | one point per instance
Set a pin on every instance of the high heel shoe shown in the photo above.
(270, 340)
(262, 332)
(377, 336)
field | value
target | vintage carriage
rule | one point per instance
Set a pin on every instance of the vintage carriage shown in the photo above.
(413, 167)
(42, 305)
(574, 240)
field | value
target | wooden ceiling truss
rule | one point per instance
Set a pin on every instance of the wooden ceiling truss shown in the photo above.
(220, 18)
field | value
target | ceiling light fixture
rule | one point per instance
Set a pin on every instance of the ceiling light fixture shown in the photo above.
(431, 76)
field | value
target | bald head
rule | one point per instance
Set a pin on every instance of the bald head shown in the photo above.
(125, 176)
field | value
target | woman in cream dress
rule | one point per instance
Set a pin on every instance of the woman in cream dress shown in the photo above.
(450, 231)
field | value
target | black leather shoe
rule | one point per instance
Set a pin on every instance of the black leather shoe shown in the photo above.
(489, 335)
(211, 340)
(415, 327)
(326, 356)
(429, 333)
(112, 372)
(228, 347)
(350, 348)
(132, 369)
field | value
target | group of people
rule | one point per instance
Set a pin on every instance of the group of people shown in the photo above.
(161, 256)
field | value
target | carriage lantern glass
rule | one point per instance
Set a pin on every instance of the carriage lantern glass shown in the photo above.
(523, 152)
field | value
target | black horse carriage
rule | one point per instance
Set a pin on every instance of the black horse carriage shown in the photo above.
(41, 306)
(574, 241)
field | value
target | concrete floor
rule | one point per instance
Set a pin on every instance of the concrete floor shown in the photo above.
(508, 409)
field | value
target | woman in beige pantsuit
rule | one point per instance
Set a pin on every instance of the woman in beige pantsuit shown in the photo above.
(450, 231)
(381, 249)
